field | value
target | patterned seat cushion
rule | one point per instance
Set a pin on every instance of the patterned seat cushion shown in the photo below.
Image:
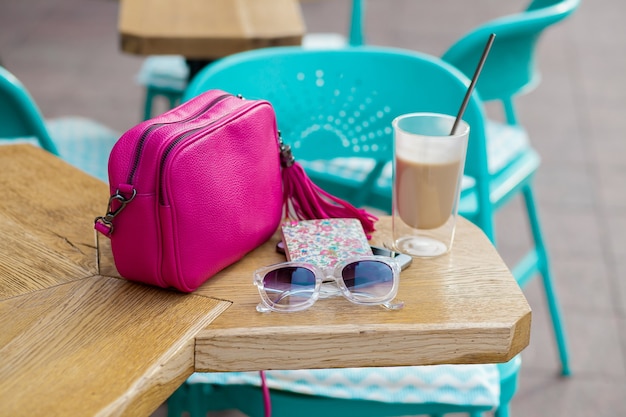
(504, 144)
(164, 71)
(477, 385)
(20, 141)
(82, 142)
(353, 171)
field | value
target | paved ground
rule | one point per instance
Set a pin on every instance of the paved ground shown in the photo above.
(67, 54)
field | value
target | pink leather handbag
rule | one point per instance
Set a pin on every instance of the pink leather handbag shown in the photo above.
(195, 189)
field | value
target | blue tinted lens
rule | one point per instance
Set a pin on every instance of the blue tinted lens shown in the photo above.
(290, 285)
(368, 279)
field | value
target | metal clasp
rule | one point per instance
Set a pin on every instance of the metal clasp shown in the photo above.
(286, 156)
(104, 224)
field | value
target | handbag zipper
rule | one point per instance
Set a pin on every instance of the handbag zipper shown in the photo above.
(127, 192)
(175, 142)
(152, 128)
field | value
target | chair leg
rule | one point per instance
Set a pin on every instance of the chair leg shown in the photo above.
(502, 411)
(546, 274)
(509, 378)
(174, 100)
(147, 109)
(177, 403)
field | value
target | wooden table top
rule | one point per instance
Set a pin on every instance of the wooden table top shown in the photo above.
(75, 338)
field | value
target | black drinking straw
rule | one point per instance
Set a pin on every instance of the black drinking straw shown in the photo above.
(474, 79)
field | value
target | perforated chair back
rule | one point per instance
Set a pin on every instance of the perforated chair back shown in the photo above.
(336, 107)
(19, 115)
(511, 68)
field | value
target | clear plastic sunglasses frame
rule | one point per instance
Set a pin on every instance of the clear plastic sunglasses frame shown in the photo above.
(327, 285)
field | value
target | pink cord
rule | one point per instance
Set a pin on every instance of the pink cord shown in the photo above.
(267, 401)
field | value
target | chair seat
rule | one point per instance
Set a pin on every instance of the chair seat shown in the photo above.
(504, 185)
(20, 141)
(507, 147)
(350, 172)
(81, 142)
(504, 144)
(84, 143)
(475, 385)
(164, 71)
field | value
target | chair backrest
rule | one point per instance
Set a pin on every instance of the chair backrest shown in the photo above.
(19, 115)
(340, 103)
(511, 67)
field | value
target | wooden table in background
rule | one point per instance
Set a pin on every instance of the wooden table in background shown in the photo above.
(75, 339)
(207, 30)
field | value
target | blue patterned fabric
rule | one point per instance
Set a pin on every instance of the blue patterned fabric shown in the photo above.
(504, 143)
(81, 142)
(84, 143)
(164, 71)
(20, 141)
(355, 169)
(477, 385)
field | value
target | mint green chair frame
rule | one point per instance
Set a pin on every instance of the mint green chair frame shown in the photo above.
(19, 115)
(173, 94)
(322, 98)
(512, 70)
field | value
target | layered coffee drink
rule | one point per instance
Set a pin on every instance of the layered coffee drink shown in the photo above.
(426, 191)
(428, 167)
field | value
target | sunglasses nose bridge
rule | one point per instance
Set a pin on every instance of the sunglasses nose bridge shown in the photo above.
(328, 275)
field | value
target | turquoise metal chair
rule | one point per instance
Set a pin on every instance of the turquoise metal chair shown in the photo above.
(166, 76)
(163, 77)
(81, 142)
(20, 118)
(512, 70)
(512, 67)
(334, 107)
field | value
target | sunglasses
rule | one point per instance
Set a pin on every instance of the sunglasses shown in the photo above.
(296, 286)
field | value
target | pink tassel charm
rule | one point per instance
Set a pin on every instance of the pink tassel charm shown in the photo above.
(304, 200)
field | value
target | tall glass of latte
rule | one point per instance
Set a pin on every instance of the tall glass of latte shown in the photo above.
(428, 169)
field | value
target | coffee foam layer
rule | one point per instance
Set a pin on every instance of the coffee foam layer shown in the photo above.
(435, 150)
